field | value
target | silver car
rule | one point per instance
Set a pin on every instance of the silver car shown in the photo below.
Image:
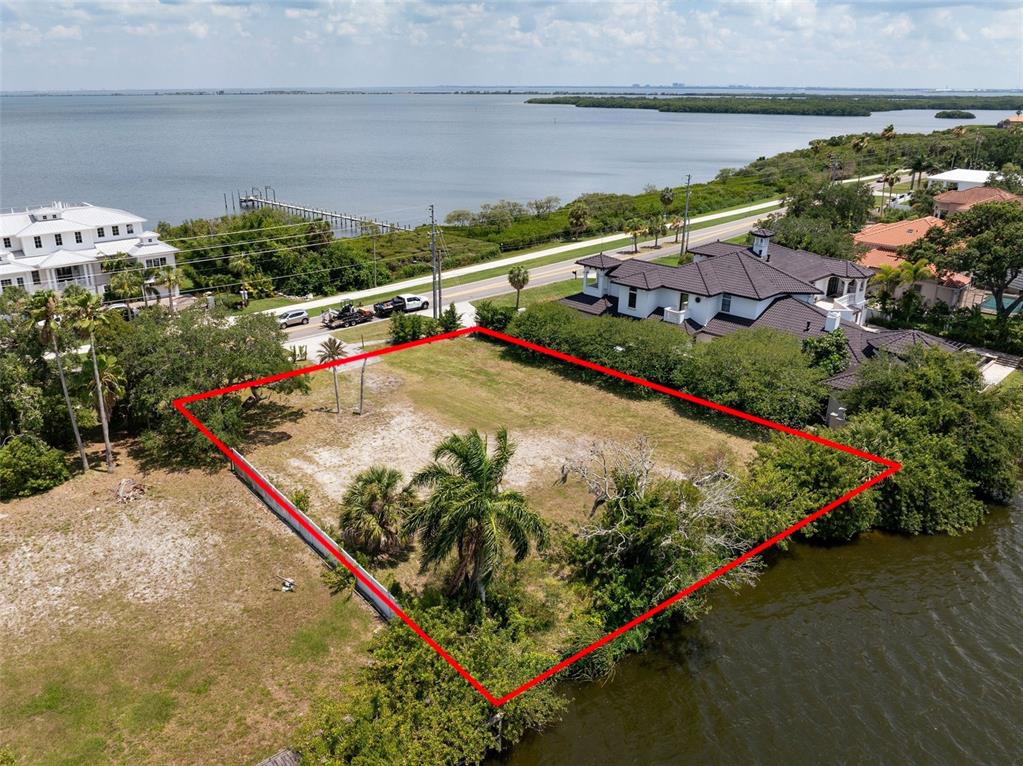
(289, 318)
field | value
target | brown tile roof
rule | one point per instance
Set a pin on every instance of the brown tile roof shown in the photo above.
(891, 236)
(899, 342)
(600, 261)
(737, 274)
(954, 201)
(589, 304)
(800, 264)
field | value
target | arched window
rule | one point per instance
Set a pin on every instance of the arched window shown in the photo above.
(834, 287)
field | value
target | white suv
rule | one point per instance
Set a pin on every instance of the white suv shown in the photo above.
(289, 318)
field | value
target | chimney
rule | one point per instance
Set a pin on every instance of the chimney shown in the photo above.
(761, 243)
(831, 323)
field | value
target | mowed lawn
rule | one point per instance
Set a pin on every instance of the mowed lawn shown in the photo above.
(155, 631)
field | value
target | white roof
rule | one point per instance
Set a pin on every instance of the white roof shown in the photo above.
(13, 268)
(962, 175)
(71, 217)
(12, 223)
(60, 258)
(135, 246)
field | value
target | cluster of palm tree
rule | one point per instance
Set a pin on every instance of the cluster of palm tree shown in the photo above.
(82, 312)
(466, 513)
(889, 278)
(133, 281)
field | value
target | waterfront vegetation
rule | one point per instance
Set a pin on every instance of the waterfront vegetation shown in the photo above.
(955, 114)
(796, 103)
(623, 496)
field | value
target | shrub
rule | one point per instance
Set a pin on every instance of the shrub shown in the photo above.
(450, 319)
(494, 317)
(409, 327)
(763, 372)
(28, 466)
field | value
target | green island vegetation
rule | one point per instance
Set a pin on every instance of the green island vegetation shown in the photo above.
(804, 104)
(955, 114)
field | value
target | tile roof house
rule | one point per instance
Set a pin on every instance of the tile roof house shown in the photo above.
(49, 248)
(884, 240)
(730, 287)
(956, 201)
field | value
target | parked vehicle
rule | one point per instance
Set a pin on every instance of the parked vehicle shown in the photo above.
(410, 303)
(346, 316)
(293, 317)
(123, 309)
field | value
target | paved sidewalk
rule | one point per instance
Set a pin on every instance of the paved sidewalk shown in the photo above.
(411, 284)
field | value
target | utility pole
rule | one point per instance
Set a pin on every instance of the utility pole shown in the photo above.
(374, 262)
(435, 264)
(685, 222)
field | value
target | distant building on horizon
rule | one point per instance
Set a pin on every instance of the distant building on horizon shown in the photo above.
(51, 247)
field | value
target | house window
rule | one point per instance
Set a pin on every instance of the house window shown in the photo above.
(130, 228)
(100, 233)
(834, 287)
(632, 297)
(4, 283)
(59, 239)
(64, 274)
(36, 278)
(7, 242)
(78, 237)
(38, 242)
(21, 281)
(115, 230)
(683, 301)
(155, 263)
(726, 304)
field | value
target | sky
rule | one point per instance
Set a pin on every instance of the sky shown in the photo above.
(170, 44)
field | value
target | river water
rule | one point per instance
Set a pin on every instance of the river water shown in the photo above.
(388, 155)
(889, 650)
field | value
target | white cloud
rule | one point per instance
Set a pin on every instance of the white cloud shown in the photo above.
(61, 32)
(199, 30)
(301, 13)
(142, 30)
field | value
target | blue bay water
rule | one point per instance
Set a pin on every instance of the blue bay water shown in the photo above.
(389, 154)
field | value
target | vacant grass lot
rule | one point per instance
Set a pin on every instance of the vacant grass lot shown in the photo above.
(416, 397)
(154, 631)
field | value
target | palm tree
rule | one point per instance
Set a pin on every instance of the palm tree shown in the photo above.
(917, 166)
(45, 309)
(915, 271)
(888, 278)
(635, 229)
(655, 227)
(467, 511)
(667, 196)
(518, 278)
(330, 351)
(675, 225)
(373, 509)
(171, 277)
(86, 311)
(128, 283)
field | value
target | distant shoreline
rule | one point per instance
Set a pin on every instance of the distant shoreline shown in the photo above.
(660, 92)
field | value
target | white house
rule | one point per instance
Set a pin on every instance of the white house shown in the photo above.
(725, 281)
(49, 248)
(961, 179)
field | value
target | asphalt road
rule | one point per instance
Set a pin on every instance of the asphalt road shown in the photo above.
(552, 272)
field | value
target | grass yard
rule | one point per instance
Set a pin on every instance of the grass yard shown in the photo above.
(154, 631)
(416, 397)
(532, 295)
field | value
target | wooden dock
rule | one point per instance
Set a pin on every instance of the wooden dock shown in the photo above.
(353, 225)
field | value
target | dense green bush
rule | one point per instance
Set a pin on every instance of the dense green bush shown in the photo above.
(648, 350)
(763, 372)
(28, 465)
(494, 317)
(408, 327)
(413, 709)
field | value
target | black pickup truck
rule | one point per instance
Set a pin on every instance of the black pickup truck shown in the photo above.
(400, 303)
(346, 316)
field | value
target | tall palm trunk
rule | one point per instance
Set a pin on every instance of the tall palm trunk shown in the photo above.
(102, 404)
(70, 408)
(337, 393)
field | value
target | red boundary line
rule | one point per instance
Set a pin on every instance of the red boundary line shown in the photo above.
(891, 467)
